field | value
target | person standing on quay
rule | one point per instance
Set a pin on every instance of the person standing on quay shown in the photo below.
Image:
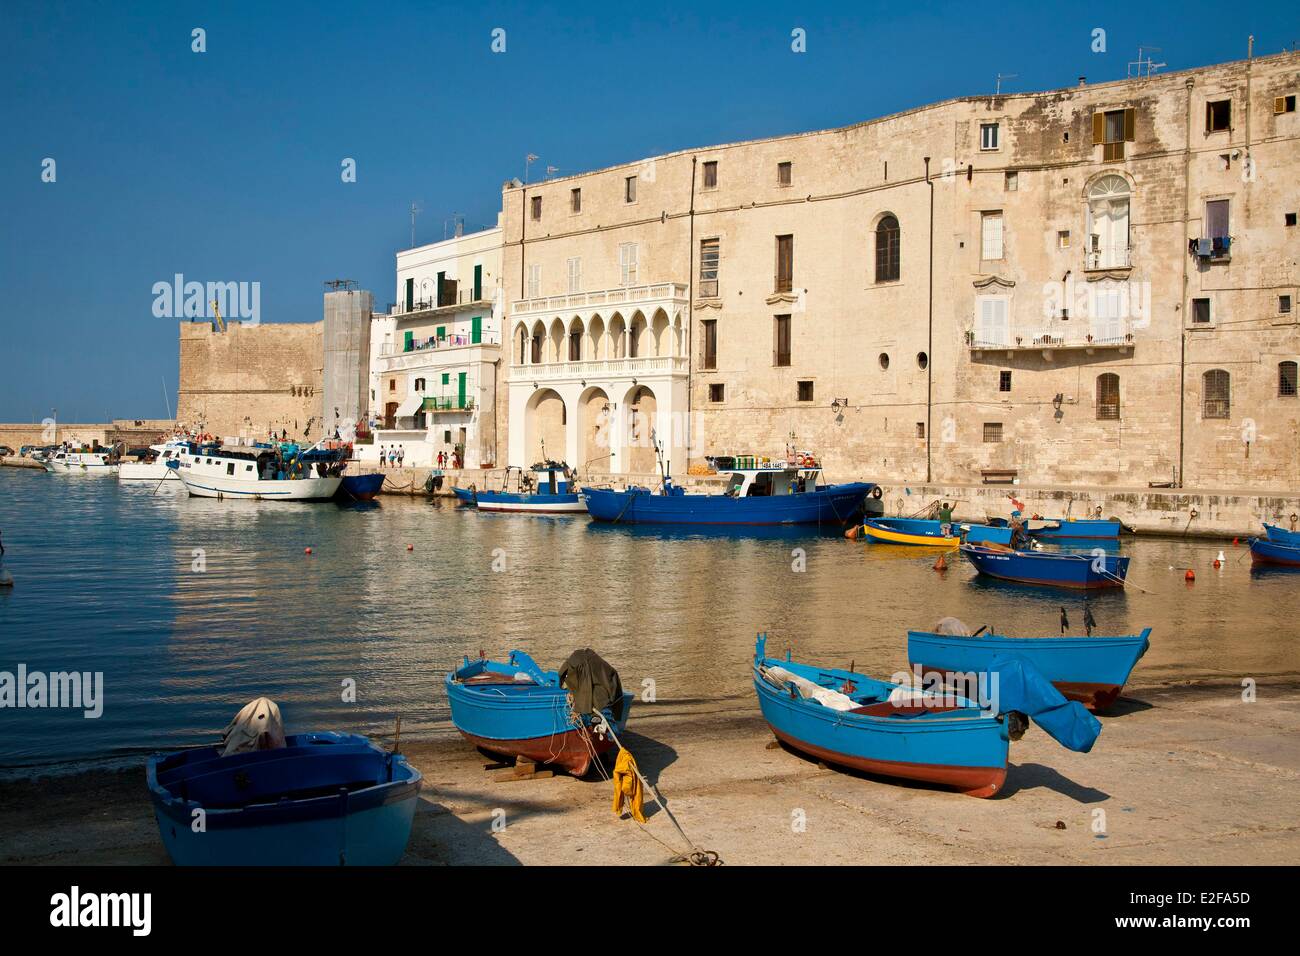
(401, 456)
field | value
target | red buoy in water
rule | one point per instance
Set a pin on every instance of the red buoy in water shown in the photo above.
(941, 564)
(306, 550)
(410, 547)
(1190, 575)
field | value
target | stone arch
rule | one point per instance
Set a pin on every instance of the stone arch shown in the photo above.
(642, 408)
(575, 350)
(637, 335)
(595, 432)
(617, 336)
(679, 336)
(555, 341)
(537, 343)
(596, 337)
(545, 419)
(521, 344)
(660, 332)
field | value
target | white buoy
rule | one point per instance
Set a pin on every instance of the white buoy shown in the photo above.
(1221, 558)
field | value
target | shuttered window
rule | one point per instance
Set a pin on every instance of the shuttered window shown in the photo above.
(710, 175)
(991, 236)
(627, 263)
(1111, 130)
(709, 360)
(710, 252)
(784, 263)
(781, 340)
(574, 267)
(534, 281)
(537, 208)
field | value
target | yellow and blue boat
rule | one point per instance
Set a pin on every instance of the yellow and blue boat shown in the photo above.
(930, 533)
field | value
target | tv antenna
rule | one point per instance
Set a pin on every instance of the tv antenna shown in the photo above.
(458, 222)
(416, 209)
(1144, 64)
(1003, 76)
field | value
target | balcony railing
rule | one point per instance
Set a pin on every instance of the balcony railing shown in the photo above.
(1110, 259)
(1115, 334)
(450, 297)
(604, 297)
(600, 368)
(457, 404)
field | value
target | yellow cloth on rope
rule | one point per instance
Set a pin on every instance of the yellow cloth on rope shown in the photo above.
(627, 786)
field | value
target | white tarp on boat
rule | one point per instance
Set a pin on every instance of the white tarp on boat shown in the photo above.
(810, 691)
(256, 727)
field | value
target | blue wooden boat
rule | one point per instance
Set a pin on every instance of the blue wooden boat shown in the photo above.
(930, 533)
(361, 487)
(1076, 528)
(1281, 535)
(845, 718)
(546, 489)
(1264, 551)
(1063, 569)
(324, 799)
(771, 495)
(1091, 670)
(518, 710)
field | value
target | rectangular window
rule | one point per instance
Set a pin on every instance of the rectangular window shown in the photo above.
(575, 274)
(710, 252)
(1216, 219)
(991, 236)
(534, 281)
(805, 393)
(1201, 311)
(1111, 130)
(1108, 397)
(781, 341)
(1284, 104)
(992, 322)
(1288, 218)
(575, 200)
(1286, 379)
(717, 392)
(627, 263)
(1004, 381)
(537, 208)
(710, 174)
(1284, 305)
(784, 174)
(1063, 238)
(629, 189)
(988, 136)
(920, 429)
(1217, 397)
(784, 263)
(1218, 116)
(709, 359)
(1011, 181)
(992, 432)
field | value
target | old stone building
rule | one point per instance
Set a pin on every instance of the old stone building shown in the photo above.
(1092, 285)
(252, 379)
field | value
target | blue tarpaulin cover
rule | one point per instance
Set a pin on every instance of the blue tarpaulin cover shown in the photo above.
(1021, 687)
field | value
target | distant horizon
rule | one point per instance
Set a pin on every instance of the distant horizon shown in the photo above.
(225, 165)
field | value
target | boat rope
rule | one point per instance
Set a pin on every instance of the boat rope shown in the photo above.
(632, 493)
(695, 854)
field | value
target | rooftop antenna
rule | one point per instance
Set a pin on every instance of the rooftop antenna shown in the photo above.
(1144, 62)
(1003, 76)
(458, 222)
(416, 209)
(551, 171)
(528, 161)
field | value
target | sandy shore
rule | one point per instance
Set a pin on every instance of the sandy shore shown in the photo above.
(1180, 775)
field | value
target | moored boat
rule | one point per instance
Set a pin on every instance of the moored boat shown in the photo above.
(1074, 528)
(156, 466)
(1055, 568)
(282, 472)
(924, 532)
(1090, 670)
(361, 487)
(516, 709)
(322, 799)
(546, 488)
(84, 461)
(1265, 551)
(894, 730)
(1281, 535)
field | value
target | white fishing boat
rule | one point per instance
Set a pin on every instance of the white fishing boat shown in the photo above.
(256, 471)
(65, 462)
(156, 468)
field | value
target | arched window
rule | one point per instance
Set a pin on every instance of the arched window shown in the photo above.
(1286, 379)
(1108, 397)
(1216, 397)
(1108, 223)
(887, 250)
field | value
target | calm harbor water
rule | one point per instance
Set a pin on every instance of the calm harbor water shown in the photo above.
(105, 581)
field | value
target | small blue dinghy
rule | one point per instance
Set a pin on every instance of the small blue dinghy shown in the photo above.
(322, 799)
(1062, 569)
(1268, 551)
(1281, 535)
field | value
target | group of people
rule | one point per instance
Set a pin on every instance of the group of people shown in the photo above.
(392, 456)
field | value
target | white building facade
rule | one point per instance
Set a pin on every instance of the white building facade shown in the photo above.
(434, 355)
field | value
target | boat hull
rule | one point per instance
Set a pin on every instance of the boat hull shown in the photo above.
(833, 504)
(920, 532)
(1263, 551)
(1091, 670)
(1082, 529)
(573, 751)
(1048, 568)
(90, 469)
(300, 489)
(145, 471)
(361, 487)
(520, 503)
(1282, 536)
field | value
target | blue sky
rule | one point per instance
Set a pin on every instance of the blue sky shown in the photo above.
(225, 166)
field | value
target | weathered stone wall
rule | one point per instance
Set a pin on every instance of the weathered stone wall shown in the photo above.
(251, 379)
(918, 393)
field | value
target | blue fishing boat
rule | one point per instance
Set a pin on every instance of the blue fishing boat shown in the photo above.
(1091, 670)
(516, 709)
(323, 799)
(1053, 529)
(546, 488)
(1065, 569)
(766, 494)
(931, 533)
(847, 719)
(1281, 535)
(1264, 551)
(361, 487)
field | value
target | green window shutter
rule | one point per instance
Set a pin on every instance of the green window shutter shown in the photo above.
(446, 378)
(410, 295)
(476, 327)
(408, 342)
(460, 388)
(478, 283)
(442, 331)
